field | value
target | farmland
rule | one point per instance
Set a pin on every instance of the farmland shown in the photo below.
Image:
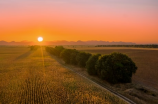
(146, 60)
(32, 77)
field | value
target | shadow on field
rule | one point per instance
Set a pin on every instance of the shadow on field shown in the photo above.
(23, 55)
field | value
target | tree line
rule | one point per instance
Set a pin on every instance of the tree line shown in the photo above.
(136, 46)
(34, 47)
(114, 68)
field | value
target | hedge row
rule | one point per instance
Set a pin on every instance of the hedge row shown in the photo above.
(136, 46)
(115, 67)
(34, 47)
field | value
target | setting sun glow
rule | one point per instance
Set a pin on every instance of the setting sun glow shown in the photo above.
(40, 39)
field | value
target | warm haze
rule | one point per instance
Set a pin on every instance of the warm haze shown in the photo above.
(108, 20)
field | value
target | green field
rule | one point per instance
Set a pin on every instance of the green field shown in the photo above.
(33, 77)
(146, 60)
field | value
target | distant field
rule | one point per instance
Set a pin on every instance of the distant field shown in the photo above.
(145, 58)
(27, 77)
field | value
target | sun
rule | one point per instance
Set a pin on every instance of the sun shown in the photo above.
(40, 39)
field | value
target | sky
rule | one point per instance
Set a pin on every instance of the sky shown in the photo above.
(107, 20)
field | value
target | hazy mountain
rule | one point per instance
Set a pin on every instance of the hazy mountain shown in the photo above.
(16, 43)
(63, 42)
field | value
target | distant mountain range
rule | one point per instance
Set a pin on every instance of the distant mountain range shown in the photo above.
(63, 42)
(16, 43)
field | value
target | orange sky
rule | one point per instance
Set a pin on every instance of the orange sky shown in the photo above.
(74, 20)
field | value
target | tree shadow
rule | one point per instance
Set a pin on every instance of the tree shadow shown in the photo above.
(23, 55)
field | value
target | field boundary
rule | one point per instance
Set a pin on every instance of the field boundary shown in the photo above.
(103, 86)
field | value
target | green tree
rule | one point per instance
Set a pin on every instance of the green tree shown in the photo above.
(82, 58)
(73, 56)
(66, 54)
(116, 68)
(51, 50)
(58, 50)
(34, 47)
(90, 64)
(100, 66)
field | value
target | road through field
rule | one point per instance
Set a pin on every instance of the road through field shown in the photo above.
(30, 77)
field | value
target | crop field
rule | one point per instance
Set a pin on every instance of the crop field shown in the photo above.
(146, 60)
(33, 77)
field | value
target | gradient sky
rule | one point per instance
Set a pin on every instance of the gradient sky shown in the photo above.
(72, 20)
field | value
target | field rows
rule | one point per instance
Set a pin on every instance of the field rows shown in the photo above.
(24, 80)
